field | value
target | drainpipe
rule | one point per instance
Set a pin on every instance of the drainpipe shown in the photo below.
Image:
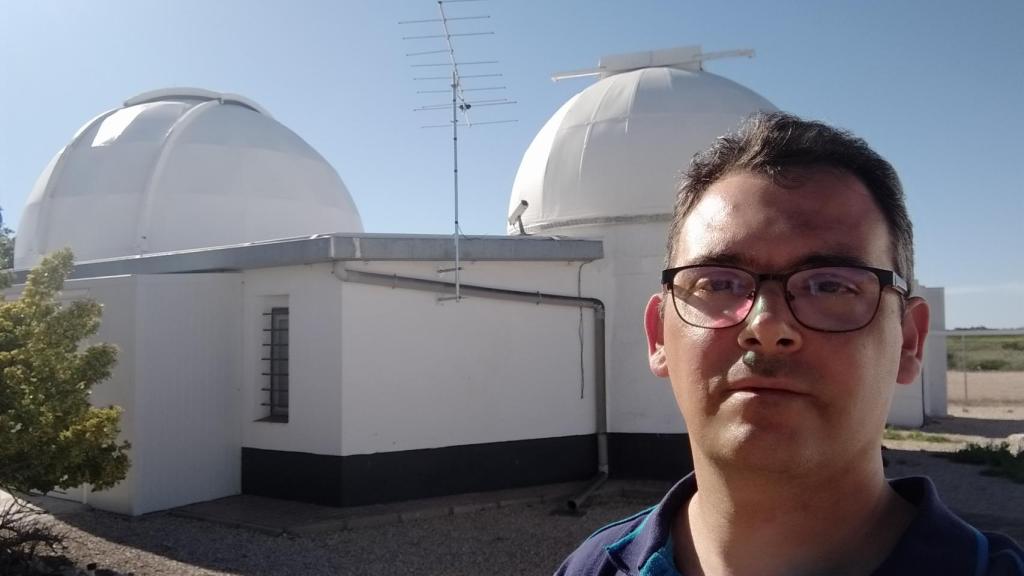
(579, 500)
(537, 298)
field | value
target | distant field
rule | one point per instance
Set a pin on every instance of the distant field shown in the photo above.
(985, 353)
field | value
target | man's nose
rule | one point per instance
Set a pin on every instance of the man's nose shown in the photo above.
(770, 327)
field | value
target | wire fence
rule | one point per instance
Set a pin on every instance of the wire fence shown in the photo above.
(985, 373)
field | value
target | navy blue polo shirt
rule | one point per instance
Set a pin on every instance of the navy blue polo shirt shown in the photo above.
(936, 542)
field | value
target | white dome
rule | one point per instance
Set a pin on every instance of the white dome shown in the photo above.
(178, 169)
(615, 151)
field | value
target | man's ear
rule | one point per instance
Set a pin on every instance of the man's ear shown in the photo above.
(915, 328)
(654, 326)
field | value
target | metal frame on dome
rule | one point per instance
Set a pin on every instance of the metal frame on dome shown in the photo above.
(196, 94)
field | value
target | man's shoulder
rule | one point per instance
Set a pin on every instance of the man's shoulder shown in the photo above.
(1005, 557)
(939, 541)
(639, 544)
(591, 557)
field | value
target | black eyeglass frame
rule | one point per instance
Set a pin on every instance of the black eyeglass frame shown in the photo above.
(886, 279)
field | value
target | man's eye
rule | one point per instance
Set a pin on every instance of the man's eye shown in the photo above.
(831, 287)
(717, 285)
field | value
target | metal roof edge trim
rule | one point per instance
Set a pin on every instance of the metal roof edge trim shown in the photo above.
(332, 247)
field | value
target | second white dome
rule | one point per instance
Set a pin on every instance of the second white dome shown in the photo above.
(616, 150)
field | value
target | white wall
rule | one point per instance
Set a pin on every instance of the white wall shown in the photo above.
(934, 375)
(906, 409)
(419, 373)
(375, 369)
(638, 401)
(315, 352)
(117, 296)
(188, 393)
(176, 379)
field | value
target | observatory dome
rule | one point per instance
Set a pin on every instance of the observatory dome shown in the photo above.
(615, 151)
(178, 169)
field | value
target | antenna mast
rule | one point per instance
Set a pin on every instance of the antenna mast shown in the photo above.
(458, 103)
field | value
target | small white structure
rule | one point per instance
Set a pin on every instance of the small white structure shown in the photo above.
(268, 346)
(177, 169)
(912, 404)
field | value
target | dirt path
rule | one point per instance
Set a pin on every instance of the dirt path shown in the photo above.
(986, 387)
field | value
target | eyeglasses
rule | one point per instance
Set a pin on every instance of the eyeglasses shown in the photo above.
(826, 298)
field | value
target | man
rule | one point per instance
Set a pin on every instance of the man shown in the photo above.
(784, 322)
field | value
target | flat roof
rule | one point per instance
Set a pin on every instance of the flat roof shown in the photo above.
(334, 247)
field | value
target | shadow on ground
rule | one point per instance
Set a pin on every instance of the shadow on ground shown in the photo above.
(974, 426)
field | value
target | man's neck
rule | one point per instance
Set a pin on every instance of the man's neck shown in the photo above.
(845, 522)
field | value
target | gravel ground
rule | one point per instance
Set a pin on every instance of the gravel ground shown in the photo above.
(520, 539)
(990, 503)
(523, 539)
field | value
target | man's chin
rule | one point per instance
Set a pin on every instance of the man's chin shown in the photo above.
(764, 449)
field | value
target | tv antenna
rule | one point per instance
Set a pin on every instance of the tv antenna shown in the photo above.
(460, 104)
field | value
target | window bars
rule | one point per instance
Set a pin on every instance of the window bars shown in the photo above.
(276, 357)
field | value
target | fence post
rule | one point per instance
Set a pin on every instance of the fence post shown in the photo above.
(963, 366)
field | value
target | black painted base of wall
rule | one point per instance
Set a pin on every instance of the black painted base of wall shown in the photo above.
(649, 456)
(393, 476)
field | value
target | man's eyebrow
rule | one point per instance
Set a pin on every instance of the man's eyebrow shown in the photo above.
(839, 257)
(830, 259)
(721, 259)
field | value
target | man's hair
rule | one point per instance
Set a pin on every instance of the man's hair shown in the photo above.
(773, 144)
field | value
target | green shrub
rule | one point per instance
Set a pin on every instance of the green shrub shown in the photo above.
(917, 435)
(990, 364)
(1001, 353)
(997, 460)
(50, 436)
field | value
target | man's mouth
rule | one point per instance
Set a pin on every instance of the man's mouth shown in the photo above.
(765, 386)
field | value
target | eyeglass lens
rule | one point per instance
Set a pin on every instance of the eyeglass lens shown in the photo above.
(830, 299)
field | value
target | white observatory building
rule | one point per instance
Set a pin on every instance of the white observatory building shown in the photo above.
(269, 346)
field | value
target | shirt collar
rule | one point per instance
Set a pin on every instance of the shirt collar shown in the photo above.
(647, 550)
(936, 537)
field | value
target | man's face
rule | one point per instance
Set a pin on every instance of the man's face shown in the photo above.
(770, 394)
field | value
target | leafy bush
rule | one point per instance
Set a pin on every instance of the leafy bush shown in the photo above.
(50, 437)
(997, 459)
(990, 364)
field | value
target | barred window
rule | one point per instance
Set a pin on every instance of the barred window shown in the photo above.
(275, 358)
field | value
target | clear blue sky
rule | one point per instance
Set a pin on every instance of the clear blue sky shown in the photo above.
(935, 86)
